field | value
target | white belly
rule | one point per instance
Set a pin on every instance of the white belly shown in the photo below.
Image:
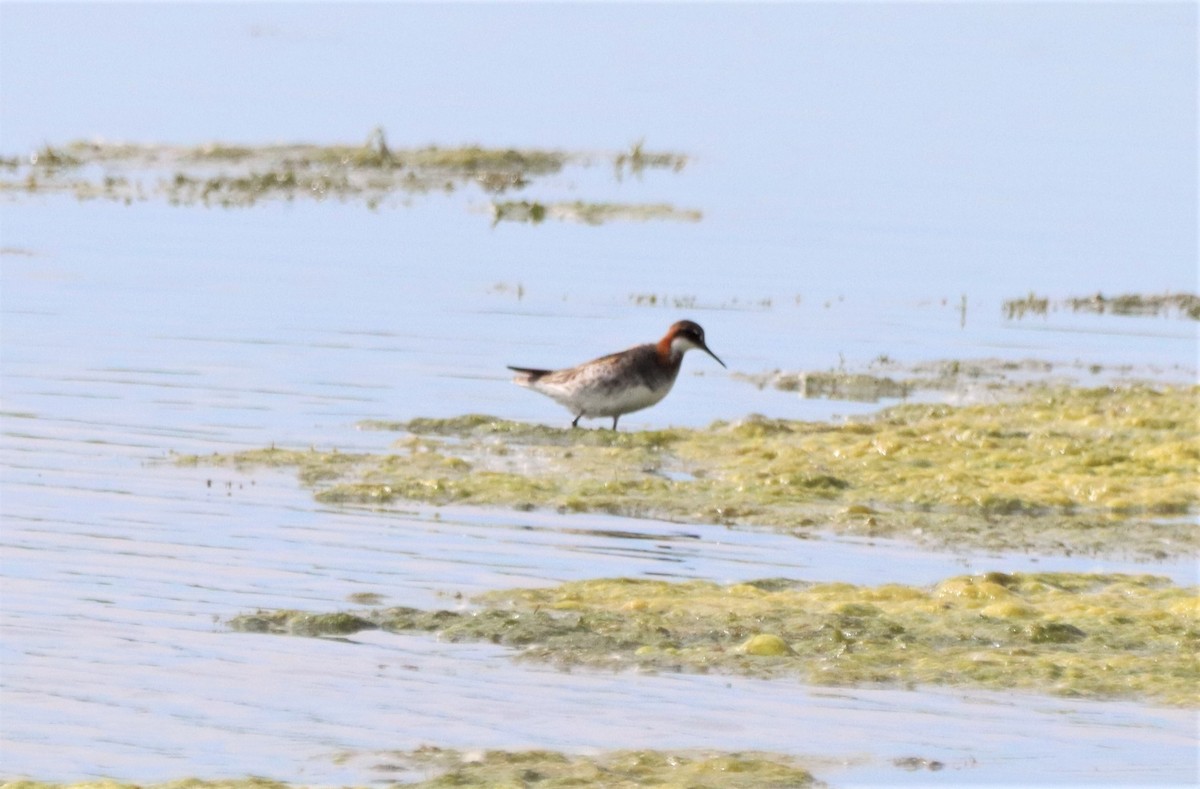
(602, 401)
(623, 401)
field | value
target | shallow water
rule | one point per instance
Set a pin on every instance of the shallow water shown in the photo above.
(133, 332)
(133, 591)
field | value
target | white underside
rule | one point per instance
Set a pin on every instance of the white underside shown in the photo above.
(611, 403)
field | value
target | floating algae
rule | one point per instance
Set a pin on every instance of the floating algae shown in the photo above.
(638, 160)
(1109, 470)
(1184, 305)
(589, 213)
(625, 769)
(1070, 634)
(431, 767)
(224, 175)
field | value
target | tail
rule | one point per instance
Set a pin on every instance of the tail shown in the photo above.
(527, 375)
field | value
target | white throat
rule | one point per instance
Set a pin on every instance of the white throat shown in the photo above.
(680, 344)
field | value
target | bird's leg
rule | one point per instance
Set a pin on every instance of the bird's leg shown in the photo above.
(615, 418)
(576, 422)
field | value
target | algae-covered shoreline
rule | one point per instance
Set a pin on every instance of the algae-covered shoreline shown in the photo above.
(1108, 471)
(1069, 634)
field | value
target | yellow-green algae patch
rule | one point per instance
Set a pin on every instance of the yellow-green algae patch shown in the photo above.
(314, 466)
(1086, 635)
(624, 769)
(1107, 470)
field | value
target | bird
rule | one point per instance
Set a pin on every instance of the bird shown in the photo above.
(621, 382)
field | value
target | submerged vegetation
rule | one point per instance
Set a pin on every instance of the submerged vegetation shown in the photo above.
(835, 385)
(620, 769)
(228, 176)
(588, 213)
(1106, 470)
(1184, 305)
(691, 302)
(1062, 633)
(638, 160)
(975, 380)
(434, 768)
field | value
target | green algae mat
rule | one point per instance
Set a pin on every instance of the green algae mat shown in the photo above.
(546, 769)
(1109, 470)
(1106, 470)
(1079, 635)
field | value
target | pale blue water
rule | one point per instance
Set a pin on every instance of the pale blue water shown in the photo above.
(863, 167)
